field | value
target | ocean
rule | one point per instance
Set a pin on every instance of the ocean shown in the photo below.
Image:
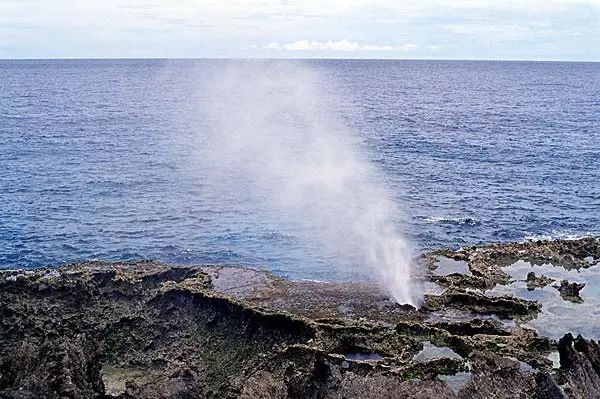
(100, 159)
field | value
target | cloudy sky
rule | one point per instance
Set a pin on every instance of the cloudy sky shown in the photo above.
(444, 29)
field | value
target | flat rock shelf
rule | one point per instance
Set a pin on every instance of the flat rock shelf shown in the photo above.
(151, 330)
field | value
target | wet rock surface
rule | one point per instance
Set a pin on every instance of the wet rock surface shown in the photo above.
(570, 291)
(150, 330)
(534, 281)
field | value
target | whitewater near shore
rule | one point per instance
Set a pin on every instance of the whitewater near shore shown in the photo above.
(495, 323)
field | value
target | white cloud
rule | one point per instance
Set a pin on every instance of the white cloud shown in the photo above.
(340, 45)
(273, 46)
(406, 47)
(500, 31)
(233, 28)
(479, 29)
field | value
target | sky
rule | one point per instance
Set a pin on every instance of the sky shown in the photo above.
(567, 30)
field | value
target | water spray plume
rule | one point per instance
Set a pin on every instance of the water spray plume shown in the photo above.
(274, 129)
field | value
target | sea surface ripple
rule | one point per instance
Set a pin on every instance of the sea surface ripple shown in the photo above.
(97, 158)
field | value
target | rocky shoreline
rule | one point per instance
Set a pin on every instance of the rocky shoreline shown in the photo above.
(150, 330)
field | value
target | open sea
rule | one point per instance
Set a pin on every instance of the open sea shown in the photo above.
(98, 158)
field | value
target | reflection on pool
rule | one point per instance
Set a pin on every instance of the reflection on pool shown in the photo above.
(431, 352)
(446, 266)
(364, 357)
(557, 316)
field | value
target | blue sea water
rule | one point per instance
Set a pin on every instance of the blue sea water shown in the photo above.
(96, 161)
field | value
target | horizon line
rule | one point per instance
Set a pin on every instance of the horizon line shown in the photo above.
(293, 59)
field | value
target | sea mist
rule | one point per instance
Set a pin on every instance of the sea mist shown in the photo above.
(274, 129)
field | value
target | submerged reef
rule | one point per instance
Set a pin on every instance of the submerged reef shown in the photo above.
(151, 330)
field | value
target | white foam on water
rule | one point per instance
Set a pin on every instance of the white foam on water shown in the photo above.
(560, 235)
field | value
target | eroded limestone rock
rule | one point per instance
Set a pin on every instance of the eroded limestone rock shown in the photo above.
(150, 330)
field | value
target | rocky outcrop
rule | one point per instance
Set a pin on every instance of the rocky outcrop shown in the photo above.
(506, 307)
(150, 330)
(486, 262)
(570, 291)
(534, 281)
(579, 367)
(52, 367)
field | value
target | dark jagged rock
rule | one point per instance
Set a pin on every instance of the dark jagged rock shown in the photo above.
(487, 261)
(461, 281)
(534, 281)
(52, 368)
(590, 349)
(179, 383)
(579, 366)
(505, 306)
(149, 330)
(570, 291)
(474, 327)
(498, 377)
(547, 388)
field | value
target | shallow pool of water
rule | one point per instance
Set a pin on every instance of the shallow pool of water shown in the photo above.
(558, 316)
(363, 357)
(446, 266)
(431, 352)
